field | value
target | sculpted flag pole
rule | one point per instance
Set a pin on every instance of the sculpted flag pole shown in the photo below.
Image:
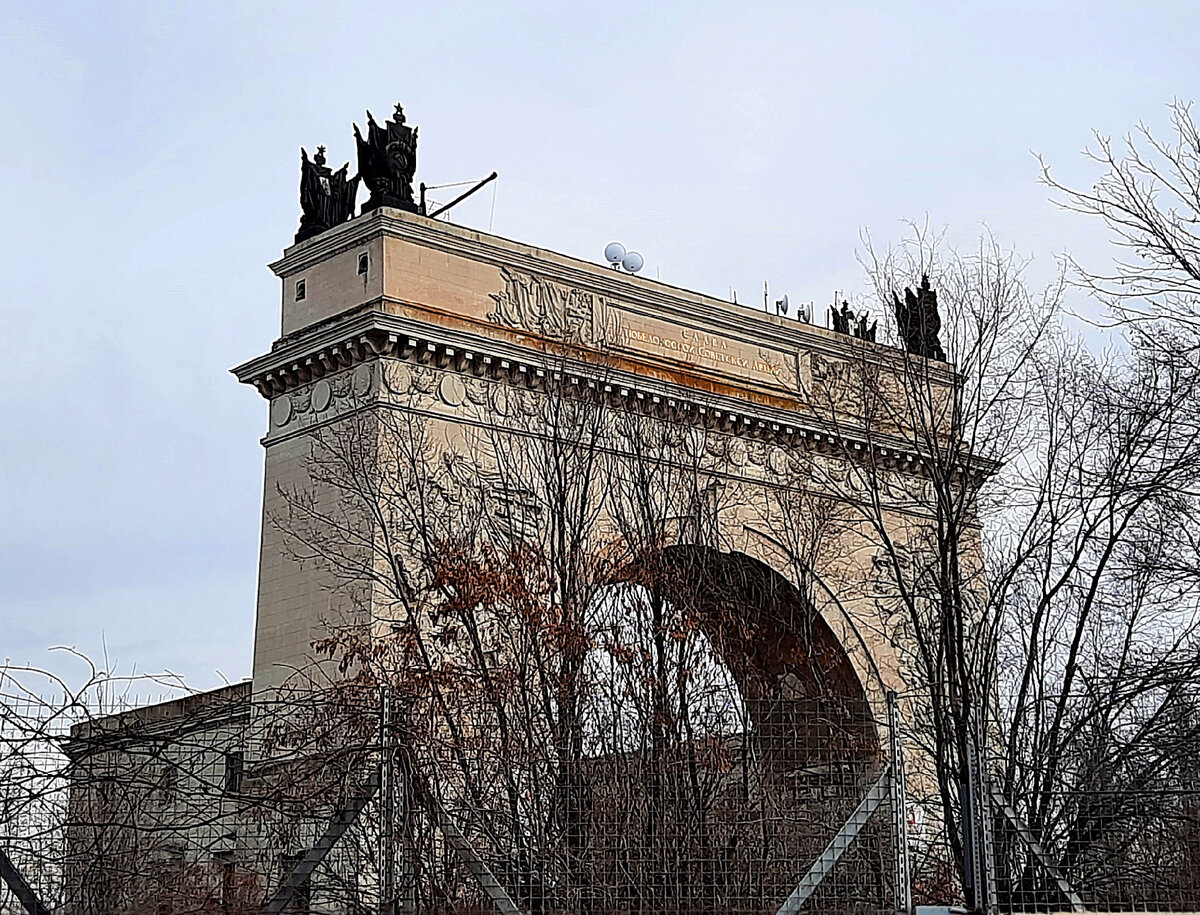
(387, 161)
(326, 196)
(919, 322)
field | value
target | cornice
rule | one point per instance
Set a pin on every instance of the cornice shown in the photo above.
(374, 335)
(639, 295)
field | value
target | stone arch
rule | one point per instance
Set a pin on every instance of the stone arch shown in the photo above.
(804, 697)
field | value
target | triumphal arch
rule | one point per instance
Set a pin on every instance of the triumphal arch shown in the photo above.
(699, 491)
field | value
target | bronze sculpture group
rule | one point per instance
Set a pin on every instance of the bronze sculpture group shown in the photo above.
(917, 320)
(844, 323)
(326, 196)
(387, 161)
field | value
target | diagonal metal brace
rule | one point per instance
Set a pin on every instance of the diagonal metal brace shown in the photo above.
(1035, 846)
(463, 848)
(346, 816)
(342, 820)
(20, 887)
(837, 847)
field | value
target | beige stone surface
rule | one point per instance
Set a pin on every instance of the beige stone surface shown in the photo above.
(333, 285)
(297, 599)
(464, 280)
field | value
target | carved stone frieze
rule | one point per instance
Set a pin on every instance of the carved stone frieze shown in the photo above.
(778, 462)
(281, 410)
(501, 389)
(321, 396)
(397, 377)
(526, 401)
(905, 489)
(424, 379)
(451, 390)
(550, 309)
(363, 379)
(477, 391)
(324, 398)
(498, 400)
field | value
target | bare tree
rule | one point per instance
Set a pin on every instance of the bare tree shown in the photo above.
(1095, 572)
(1034, 557)
(104, 813)
(917, 441)
(1149, 197)
(589, 681)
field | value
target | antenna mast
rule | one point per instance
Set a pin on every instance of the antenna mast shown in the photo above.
(457, 200)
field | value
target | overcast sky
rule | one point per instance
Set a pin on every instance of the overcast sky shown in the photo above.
(151, 158)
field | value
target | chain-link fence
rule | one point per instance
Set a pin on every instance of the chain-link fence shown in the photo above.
(33, 791)
(175, 808)
(1008, 829)
(1067, 836)
(735, 824)
(801, 805)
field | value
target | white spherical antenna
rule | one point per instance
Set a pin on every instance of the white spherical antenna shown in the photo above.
(614, 252)
(633, 262)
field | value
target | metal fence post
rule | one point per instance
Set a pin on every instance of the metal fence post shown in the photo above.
(387, 855)
(987, 852)
(903, 873)
(977, 845)
(405, 888)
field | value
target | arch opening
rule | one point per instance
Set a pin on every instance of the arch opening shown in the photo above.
(772, 666)
(727, 738)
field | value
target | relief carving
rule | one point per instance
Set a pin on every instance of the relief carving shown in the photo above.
(906, 489)
(363, 378)
(424, 379)
(550, 309)
(499, 400)
(397, 377)
(477, 391)
(452, 391)
(281, 409)
(777, 461)
(322, 396)
(835, 383)
(757, 452)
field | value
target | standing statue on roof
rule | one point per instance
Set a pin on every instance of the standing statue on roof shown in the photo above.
(918, 321)
(841, 319)
(862, 331)
(846, 322)
(387, 161)
(326, 196)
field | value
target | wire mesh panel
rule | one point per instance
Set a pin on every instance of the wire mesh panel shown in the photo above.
(729, 824)
(109, 808)
(32, 791)
(650, 773)
(1116, 850)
